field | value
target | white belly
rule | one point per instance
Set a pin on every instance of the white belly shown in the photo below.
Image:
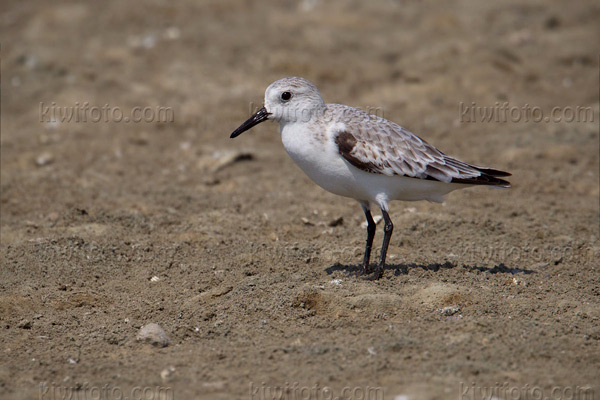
(323, 164)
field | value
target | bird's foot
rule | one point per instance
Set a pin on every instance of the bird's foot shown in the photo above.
(375, 275)
(363, 270)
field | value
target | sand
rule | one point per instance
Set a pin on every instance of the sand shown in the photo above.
(242, 261)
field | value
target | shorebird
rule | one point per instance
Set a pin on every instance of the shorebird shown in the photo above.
(356, 154)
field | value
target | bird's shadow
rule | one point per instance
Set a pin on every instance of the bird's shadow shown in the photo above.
(402, 269)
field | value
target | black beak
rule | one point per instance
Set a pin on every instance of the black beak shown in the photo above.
(260, 116)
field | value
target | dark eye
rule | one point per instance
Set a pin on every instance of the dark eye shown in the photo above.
(285, 96)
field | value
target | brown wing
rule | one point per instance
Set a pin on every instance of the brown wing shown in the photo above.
(388, 149)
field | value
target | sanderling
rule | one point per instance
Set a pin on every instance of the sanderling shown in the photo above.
(355, 154)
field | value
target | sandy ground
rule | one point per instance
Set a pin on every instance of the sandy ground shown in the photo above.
(108, 226)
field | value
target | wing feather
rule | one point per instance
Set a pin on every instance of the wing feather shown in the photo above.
(380, 146)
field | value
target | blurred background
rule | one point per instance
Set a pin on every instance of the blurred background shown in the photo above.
(240, 241)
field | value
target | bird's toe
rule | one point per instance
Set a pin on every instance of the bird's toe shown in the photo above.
(373, 275)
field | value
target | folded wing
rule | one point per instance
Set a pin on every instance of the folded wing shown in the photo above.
(382, 147)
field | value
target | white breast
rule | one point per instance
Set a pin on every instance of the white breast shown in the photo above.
(318, 157)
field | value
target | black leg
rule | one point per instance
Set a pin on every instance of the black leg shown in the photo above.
(387, 235)
(371, 228)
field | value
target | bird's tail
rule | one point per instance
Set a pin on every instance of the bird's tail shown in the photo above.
(491, 176)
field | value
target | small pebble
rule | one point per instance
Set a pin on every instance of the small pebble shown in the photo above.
(306, 221)
(24, 324)
(377, 219)
(450, 310)
(44, 159)
(167, 373)
(154, 334)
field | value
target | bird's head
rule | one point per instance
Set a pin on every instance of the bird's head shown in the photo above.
(287, 100)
